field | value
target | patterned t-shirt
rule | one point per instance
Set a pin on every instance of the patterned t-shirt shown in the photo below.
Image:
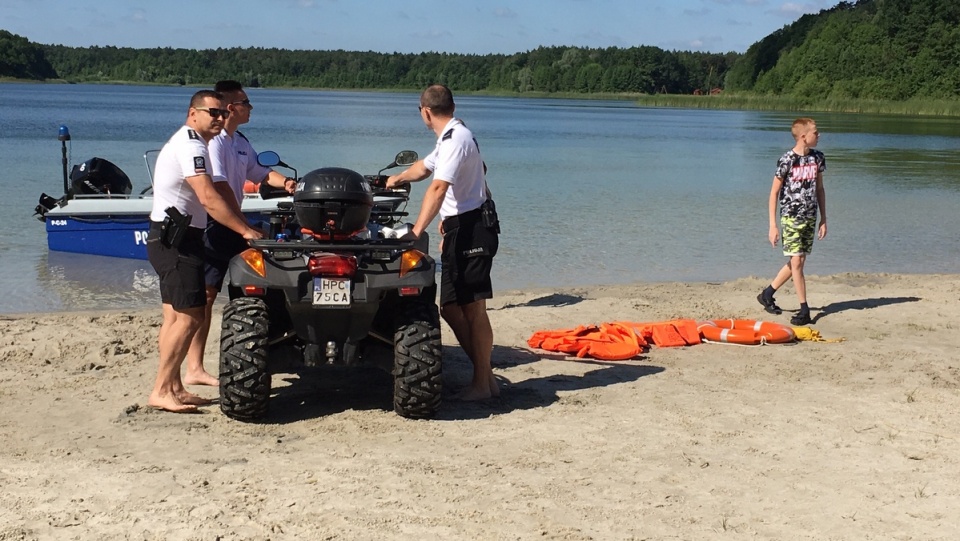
(798, 195)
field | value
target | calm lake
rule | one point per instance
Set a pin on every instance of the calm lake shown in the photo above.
(589, 192)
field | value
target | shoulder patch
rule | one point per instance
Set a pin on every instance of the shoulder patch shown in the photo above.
(447, 135)
(199, 164)
(192, 134)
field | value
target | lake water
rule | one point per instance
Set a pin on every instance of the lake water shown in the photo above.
(589, 192)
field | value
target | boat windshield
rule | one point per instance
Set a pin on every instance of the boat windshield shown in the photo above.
(150, 159)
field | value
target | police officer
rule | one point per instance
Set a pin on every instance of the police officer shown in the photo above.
(233, 161)
(182, 183)
(457, 192)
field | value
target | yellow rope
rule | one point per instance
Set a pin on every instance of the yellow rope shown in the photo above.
(811, 335)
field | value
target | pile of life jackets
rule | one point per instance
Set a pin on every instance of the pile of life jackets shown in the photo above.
(623, 340)
(619, 340)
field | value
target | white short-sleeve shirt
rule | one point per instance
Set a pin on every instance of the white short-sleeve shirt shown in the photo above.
(234, 161)
(184, 155)
(456, 159)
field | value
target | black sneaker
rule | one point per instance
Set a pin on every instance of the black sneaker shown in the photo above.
(769, 304)
(800, 318)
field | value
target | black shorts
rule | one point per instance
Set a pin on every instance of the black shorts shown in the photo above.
(466, 259)
(221, 244)
(180, 269)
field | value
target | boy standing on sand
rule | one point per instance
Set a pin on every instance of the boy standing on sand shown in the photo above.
(798, 187)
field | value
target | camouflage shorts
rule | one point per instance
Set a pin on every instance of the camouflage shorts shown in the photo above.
(797, 234)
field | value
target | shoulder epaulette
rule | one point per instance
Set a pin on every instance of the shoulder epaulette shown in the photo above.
(447, 135)
(192, 134)
(240, 133)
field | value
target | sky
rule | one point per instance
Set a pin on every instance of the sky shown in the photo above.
(405, 26)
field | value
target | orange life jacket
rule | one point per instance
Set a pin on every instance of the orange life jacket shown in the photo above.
(617, 341)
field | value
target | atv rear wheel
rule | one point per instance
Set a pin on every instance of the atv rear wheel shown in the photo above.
(244, 378)
(417, 356)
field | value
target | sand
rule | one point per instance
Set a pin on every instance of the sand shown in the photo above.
(815, 440)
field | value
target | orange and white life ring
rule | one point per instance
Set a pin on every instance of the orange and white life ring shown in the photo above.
(745, 331)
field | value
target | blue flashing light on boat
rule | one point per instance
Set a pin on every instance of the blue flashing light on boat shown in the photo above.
(64, 133)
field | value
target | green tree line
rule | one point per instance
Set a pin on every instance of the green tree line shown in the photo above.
(545, 69)
(22, 59)
(871, 49)
(895, 50)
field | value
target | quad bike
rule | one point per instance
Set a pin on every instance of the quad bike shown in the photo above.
(338, 278)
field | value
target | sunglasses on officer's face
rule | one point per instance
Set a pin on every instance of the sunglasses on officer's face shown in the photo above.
(214, 112)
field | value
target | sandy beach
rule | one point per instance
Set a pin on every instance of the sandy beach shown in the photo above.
(857, 439)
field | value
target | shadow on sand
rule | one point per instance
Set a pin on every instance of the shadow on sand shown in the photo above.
(860, 304)
(320, 391)
(531, 393)
(554, 300)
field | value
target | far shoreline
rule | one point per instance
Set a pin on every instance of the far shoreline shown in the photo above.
(741, 101)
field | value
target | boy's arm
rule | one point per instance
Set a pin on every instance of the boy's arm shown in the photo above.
(774, 232)
(822, 203)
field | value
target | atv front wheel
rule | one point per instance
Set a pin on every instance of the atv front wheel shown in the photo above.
(417, 352)
(244, 378)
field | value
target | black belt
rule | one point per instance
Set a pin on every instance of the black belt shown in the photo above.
(469, 217)
(192, 232)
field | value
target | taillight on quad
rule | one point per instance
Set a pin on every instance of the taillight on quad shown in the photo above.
(254, 259)
(331, 265)
(410, 260)
(254, 291)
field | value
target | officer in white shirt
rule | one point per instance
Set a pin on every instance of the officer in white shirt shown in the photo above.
(469, 244)
(233, 162)
(183, 188)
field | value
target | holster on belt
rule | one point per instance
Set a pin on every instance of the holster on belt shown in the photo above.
(174, 227)
(488, 213)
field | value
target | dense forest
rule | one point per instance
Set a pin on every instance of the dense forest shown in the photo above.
(871, 49)
(545, 69)
(868, 49)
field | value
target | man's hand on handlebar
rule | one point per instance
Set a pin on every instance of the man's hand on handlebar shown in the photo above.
(394, 182)
(254, 233)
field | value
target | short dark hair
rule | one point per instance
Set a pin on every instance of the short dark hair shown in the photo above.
(228, 85)
(200, 95)
(438, 98)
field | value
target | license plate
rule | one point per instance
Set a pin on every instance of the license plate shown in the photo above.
(331, 291)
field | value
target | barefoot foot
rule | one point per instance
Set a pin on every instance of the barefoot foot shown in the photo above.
(171, 403)
(494, 386)
(193, 400)
(200, 378)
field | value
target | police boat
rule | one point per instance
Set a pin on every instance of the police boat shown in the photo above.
(99, 214)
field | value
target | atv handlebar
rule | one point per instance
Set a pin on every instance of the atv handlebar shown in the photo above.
(379, 185)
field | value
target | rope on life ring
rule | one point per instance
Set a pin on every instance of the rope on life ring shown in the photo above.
(745, 332)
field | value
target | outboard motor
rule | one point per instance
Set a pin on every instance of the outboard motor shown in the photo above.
(98, 176)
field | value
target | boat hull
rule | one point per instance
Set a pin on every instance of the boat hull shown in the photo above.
(109, 236)
(117, 227)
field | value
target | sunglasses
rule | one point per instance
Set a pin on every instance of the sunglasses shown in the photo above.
(244, 102)
(214, 112)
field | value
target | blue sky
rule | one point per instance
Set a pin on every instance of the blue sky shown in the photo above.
(406, 26)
